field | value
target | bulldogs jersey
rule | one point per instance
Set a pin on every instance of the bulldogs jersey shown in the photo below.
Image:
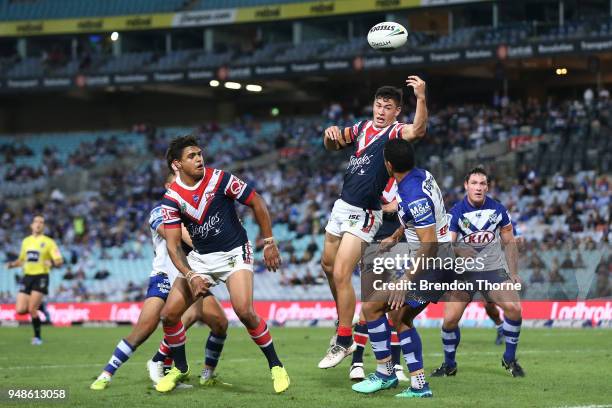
(366, 175)
(207, 210)
(421, 205)
(161, 261)
(480, 227)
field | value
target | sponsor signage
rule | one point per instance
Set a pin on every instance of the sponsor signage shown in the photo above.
(202, 18)
(63, 314)
(414, 58)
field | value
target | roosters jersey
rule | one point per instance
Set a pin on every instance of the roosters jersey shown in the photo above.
(480, 227)
(421, 205)
(208, 211)
(366, 176)
(391, 221)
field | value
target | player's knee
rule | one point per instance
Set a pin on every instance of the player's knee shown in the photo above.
(370, 310)
(21, 310)
(328, 267)
(168, 318)
(513, 310)
(342, 276)
(451, 322)
(33, 311)
(246, 314)
(219, 325)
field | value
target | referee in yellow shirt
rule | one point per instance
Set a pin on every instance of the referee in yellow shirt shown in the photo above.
(38, 254)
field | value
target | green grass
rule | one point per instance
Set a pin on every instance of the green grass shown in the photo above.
(564, 368)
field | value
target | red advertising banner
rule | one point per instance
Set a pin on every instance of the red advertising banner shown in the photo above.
(63, 314)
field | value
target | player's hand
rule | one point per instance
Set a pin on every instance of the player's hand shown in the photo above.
(386, 244)
(516, 279)
(272, 257)
(418, 84)
(397, 297)
(198, 285)
(335, 134)
(49, 264)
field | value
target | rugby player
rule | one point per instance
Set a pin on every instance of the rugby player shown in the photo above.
(389, 225)
(479, 223)
(424, 225)
(202, 199)
(357, 214)
(207, 310)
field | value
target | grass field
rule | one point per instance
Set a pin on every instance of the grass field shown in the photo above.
(564, 367)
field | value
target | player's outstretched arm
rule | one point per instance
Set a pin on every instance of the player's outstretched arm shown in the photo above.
(419, 126)
(175, 250)
(335, 138)
(272, 257)
(511, 251)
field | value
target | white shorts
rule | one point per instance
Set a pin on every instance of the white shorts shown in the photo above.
(216, 267)
(354, 220)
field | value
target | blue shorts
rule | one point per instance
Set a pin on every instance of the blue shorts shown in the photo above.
(159, 286)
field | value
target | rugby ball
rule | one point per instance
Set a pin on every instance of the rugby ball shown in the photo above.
(387, 36)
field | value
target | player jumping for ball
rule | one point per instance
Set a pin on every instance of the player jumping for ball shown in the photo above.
(357, 214)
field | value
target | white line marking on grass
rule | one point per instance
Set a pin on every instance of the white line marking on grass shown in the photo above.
(586, 406)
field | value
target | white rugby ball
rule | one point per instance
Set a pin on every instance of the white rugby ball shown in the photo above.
(387, 36)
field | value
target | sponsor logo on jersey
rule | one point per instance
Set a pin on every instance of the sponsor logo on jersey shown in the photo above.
(196, 198)
(479, 238)
(209, 228)
(420, 209)
(356, 163)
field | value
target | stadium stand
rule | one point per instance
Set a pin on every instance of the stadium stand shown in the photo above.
(53, 9)
(560, 195)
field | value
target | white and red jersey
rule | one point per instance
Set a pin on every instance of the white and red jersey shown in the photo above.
(207, 210)
(366, 176)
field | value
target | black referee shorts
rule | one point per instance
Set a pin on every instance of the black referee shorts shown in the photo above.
(39, 283)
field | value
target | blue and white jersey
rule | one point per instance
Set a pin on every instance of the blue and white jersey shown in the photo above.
(421, 205)
(366, 176)
(480, 228)
(161, 261)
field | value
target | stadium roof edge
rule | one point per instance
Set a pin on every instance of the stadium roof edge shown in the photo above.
(203, 18)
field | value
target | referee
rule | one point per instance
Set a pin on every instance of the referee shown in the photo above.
(38, 254)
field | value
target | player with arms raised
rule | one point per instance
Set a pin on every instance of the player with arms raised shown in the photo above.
(357, 214)
(38, 254)
(202, 199)
(479, 223)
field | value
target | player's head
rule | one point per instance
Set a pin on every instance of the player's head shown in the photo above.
(387, 105)
(476, 185)
(399, 156)
(185, 156)
(38, 224)
(169, 180)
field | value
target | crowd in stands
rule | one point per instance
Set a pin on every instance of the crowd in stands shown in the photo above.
(567, 213)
